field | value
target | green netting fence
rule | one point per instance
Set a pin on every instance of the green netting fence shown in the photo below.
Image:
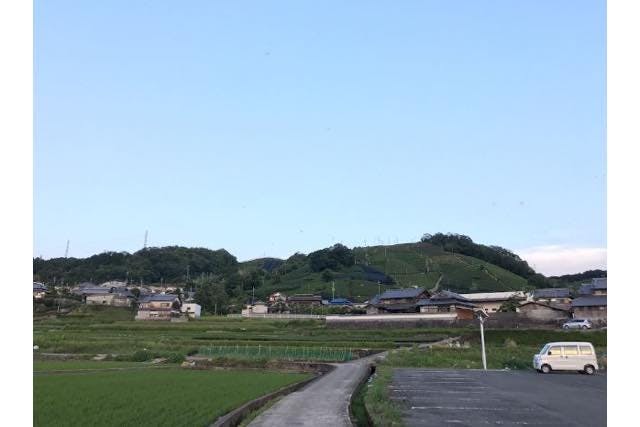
(331, 354)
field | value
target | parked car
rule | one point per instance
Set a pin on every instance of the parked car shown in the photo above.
(577, 324)
(566, 356)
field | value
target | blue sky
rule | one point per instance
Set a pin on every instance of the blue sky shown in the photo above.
(273, 127)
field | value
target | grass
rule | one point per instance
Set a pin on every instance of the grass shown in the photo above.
(165, 397)
(382, 411)
(409, 264)
(505, 349)
(107, 333)
(268, 352)
(43, 366)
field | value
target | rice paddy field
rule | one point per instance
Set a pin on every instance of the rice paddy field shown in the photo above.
(108, 330)
(170, 396)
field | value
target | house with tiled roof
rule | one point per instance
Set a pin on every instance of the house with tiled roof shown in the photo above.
(552, 295)
(118, 297)
(39, 290)
(592, 307)
(159, 307)
(397, 301)
(448, 302)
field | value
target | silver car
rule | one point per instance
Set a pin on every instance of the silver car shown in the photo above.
(577, 324)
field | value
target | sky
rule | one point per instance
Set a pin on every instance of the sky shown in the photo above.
(268, 128)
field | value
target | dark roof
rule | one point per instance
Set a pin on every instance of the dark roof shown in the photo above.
(340, 301)
(590, 301)
(599, 283)
(37, 286)
(446, 298)
(401, 307)
(159, 297)
(552, 293)
(448, 295)
(445, 302)
(105, 291)
(401, 293)
(585, 289)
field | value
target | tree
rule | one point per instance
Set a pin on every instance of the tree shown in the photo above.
(510, 305)
(211, 296)
(327, 276)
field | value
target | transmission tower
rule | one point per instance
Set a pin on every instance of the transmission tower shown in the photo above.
(66, 251)
(146, 235)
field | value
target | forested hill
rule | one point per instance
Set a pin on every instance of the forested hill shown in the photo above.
(171, 264)
(444, 261)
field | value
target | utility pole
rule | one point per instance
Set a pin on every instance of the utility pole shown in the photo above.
(481, 315)
(333, 290)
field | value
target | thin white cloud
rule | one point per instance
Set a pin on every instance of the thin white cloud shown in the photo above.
(555, 260)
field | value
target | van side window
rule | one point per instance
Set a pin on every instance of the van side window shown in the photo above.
(570, 350)
(585, 350)
(554, 351)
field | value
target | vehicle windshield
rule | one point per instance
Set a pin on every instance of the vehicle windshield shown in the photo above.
(544, 349)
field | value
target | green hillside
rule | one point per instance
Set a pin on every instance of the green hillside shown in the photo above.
(410, 264)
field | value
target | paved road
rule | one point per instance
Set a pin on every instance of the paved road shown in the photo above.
(508, 398)
(324, 402)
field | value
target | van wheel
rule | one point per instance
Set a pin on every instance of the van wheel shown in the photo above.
(584, 326)
(565, 327)
(589, 370)
(545, 369)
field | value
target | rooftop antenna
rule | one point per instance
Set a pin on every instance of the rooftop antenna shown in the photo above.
(146, 235)
(66, 251)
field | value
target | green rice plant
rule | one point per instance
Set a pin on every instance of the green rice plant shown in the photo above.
(148, 397)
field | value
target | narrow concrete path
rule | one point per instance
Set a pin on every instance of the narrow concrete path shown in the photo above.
(324, 402)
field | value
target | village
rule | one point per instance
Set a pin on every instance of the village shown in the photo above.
(550, 306)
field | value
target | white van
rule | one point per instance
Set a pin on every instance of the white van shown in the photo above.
(566, 356)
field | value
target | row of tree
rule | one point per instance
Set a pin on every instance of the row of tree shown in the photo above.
(171, 264)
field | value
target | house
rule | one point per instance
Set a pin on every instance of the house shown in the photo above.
(448, 302)
(596, 287)
(492, 301)
(397, 301)
(554, 295)
(118, 297)
(277, 297)
(39, 290)
(191, 310)
(592, 307)
(113, 284)
(305, 299)
(340, 302)
(158, 307)
(257, 308)
(545, 311)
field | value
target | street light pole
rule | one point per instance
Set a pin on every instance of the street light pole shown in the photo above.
(484, 356)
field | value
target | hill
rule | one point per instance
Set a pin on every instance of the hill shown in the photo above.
(441, 261)
(375, 268)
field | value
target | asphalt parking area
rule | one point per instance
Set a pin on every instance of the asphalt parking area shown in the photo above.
(431, 397)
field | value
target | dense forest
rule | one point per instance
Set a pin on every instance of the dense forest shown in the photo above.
(171, 264)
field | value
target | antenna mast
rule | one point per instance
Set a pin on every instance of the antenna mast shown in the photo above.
(146, 235)
(66, 251)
